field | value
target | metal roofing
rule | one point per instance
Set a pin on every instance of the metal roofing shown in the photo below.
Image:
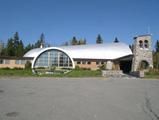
(33, 52)
(96, 51)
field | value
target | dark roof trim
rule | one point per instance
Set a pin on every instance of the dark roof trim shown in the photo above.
(128, 57)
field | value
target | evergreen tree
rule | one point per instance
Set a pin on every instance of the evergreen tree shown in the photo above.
(18, 45)
(157, 46)
(14, 47)
(81, 42)
(85, 41)
(3, 52)
(42, 39)
(116, 40)
(74, 41)
(20, 49)
(156, 55)
(10, 49)
(37, 44)
(99, 39)
(16, 40)
(40, 42)
(28, 47)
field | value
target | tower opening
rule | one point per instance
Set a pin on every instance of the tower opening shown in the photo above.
(144, 65)
(146, 45)
(141, 44)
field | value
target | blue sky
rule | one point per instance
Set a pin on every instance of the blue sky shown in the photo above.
(60, 20)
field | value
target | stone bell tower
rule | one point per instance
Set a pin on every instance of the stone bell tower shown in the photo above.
(142, 52)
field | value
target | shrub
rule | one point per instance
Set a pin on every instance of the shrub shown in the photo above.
(52, 68)
(28, 65)
(86, 68)
(40, 68)
(153, 72)
(77, 67)
(6, 68)
(17, 68)
(102, 67)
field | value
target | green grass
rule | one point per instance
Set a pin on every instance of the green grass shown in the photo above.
(151, 74)
(15, 72)
(84, 73)
(28, 73)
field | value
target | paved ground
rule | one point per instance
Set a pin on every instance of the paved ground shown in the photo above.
(78, 99)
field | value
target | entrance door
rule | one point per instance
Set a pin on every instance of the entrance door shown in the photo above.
(125, 66)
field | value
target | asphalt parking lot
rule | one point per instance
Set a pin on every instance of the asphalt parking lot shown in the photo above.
(78, 99)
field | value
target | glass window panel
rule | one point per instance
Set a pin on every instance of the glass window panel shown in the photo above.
(53, 58)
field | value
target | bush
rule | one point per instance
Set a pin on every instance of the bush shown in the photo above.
(77, 68)
(40, 68)
(28, 65)
(103, 67)
(153, 72)
(6, 68)
(53, 68)
(86, 68)
(17, 68)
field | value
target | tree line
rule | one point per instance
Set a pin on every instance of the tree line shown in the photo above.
(156, 55)
(75, 41)
(16, 47)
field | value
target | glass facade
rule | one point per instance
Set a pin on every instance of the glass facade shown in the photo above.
(53, 58)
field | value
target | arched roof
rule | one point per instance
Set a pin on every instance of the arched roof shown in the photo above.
(96, 51)
(34, 52)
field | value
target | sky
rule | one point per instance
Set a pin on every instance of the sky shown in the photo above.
(60, 20)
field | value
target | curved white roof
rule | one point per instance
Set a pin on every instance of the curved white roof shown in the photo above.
(99, 51)
(33, 52)
(96, 51)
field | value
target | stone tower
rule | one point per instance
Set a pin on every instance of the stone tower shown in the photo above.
(142, 59)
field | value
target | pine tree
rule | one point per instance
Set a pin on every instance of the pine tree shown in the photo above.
(37, 44)
(3, 52)
(74, 41)
(81, 42)
(40, 42)
(99, 39)
(27, 48)
(85, 41)
(116, 40)
(16, 40)
(10, 49)
(42, 39)
(157, 46)
(20, 49)
(156, 55)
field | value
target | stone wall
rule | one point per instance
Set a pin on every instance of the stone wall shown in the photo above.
(112, 73)
(140, 74)
(141, 53)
